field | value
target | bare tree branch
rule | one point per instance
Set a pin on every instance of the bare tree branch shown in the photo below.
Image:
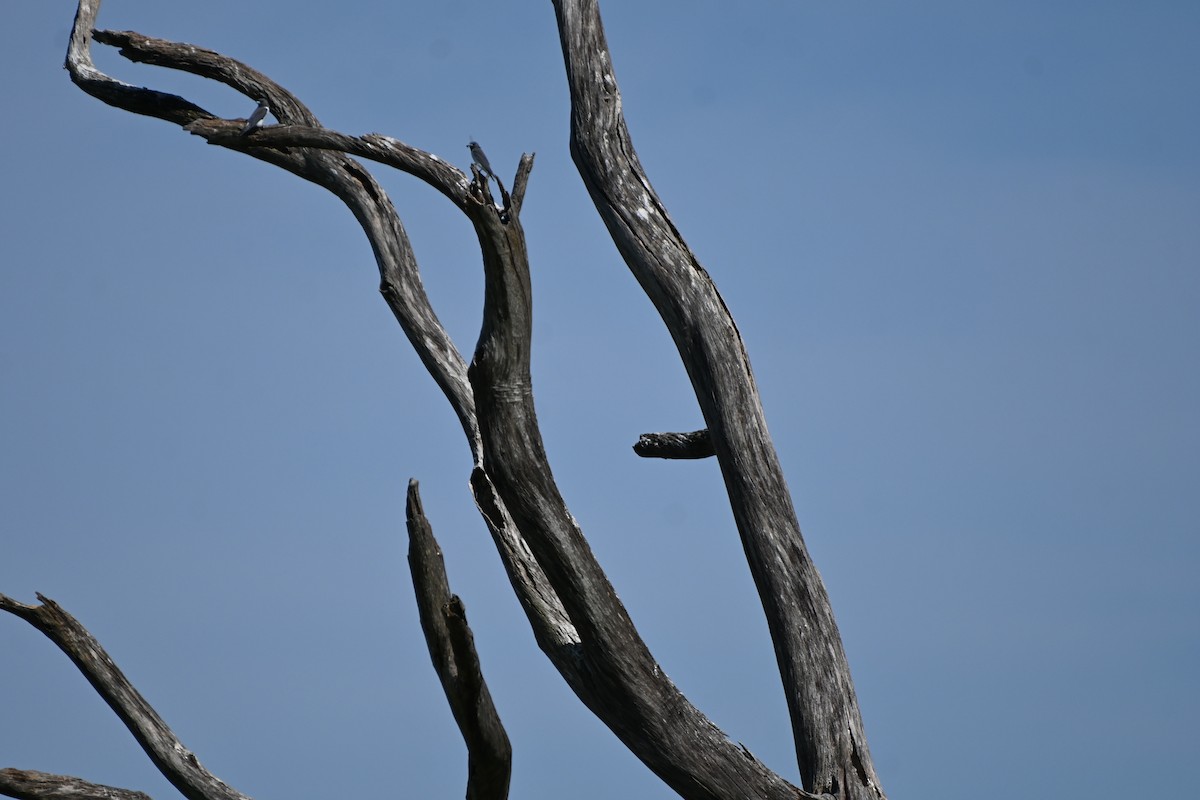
(400, 280)
(452, 649)
(831, 745)
(30, 785)
(521, 181)
(575, 613)
(700, 760)
(611, 669)
(696, 444)
(173, 760)
(446, 178)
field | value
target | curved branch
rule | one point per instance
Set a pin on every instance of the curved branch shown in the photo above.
(210, 64)
(831, 746)
(447, 179)
(118, 93)
(452, 649)
(177, 764)
(400, 281)
(31, 785)
(610, 668)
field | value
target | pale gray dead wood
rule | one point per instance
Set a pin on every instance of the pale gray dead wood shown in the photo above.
(452, 649)
(31, 785)
(831, 746)
(177, 764)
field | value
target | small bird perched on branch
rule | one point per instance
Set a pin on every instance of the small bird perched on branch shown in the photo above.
(257, 117)
(480, 159)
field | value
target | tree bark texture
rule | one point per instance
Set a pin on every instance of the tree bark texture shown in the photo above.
(452, 648)
(831, 746)
(30, 785)
(177, 764)
(610, 668)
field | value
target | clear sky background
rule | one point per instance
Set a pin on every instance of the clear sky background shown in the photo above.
(962, 242)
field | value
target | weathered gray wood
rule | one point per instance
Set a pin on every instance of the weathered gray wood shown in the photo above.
(521, 181)
(831, 746)
(177, 764)
(684, 747)
(452, 649)
(400, 280)
(31, 785)
(610, 668)
(577, 619)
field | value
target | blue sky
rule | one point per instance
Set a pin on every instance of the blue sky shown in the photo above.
(960, 240)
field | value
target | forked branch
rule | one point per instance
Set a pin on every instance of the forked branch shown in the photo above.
(608, 665)
(322, 164)
(610, 668)
(452, 648)
(574, 611)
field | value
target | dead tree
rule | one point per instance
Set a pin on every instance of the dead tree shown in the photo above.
(577, 619)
